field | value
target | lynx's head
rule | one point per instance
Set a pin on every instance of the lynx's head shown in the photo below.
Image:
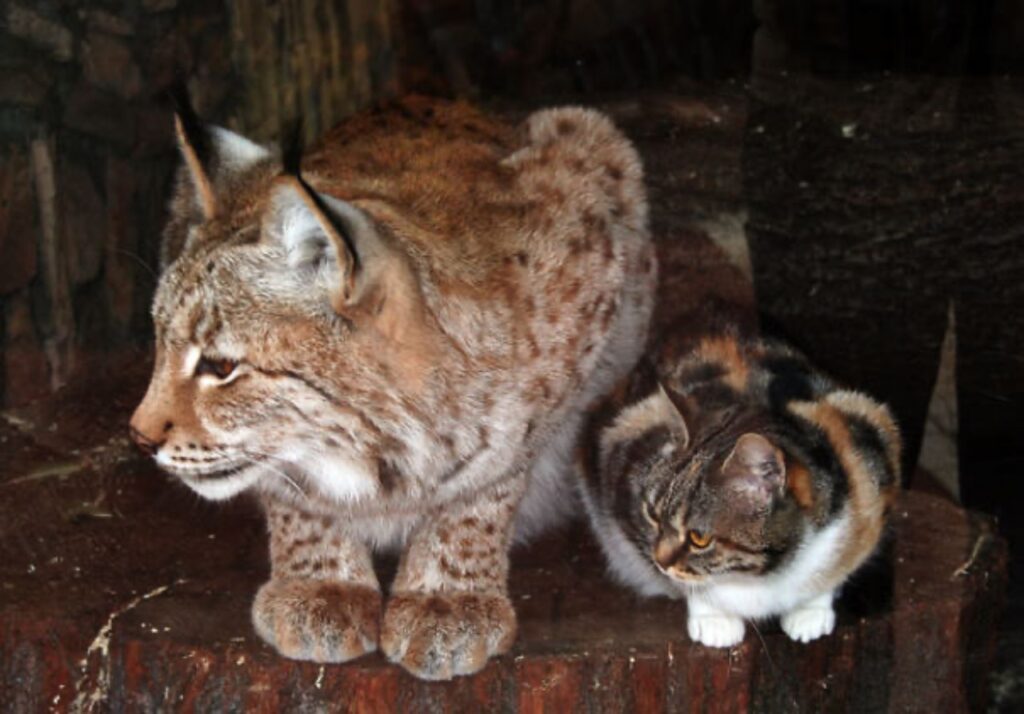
(277, 317)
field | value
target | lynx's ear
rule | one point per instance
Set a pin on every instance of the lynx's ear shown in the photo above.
(335, 243)
(211, 154)
(755, 470)
(319, 235)
(211, 158)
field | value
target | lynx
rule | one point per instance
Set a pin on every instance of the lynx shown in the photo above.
(392, 346)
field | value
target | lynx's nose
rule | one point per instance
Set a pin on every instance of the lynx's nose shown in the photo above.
(147, 445)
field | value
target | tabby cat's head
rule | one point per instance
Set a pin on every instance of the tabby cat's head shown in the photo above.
(273, 299)
(702, 503)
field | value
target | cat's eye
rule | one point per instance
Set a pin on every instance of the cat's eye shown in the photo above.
(220, 368)
(699, 540)
(648, 511)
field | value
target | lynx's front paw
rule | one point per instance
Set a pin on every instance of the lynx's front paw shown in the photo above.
(317, 620)
(808, 623)
(445, 635)
(715, 630)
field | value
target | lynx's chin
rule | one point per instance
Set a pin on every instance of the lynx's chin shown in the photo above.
(222, 485)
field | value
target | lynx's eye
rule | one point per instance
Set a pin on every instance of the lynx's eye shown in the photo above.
(219, 368)
(699, 540)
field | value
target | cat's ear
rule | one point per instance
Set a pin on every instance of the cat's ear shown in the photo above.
(755, 470)
(673, 418)
(337, 245)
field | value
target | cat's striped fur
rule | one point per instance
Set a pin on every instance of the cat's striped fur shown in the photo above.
(728, 470)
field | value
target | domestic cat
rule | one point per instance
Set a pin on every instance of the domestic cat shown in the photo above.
(729, 471)
(393, 345)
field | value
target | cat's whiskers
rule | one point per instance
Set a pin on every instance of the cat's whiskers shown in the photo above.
(785, 682)
(764, 645)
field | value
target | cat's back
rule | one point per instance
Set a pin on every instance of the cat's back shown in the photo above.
(843, 446)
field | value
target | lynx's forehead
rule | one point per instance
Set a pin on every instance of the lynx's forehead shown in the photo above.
(201, 291)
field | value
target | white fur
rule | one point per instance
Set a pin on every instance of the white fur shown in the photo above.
(798, 592)
(796, 583)
(637, 418)
(298, 231)
(235, 150)
(340, 479)
(222, 489)
(624, 560)
(811, 620)
(711, 627)
(188, 364)
(550, 498)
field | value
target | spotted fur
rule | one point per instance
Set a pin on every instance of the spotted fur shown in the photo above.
(730, 471)
(395, 349)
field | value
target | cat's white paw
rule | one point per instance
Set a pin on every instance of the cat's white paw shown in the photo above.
(808, 623)
(715, 630)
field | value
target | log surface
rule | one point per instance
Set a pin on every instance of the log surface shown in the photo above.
(119, 591)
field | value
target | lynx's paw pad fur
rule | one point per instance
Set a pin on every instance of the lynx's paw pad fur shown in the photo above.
(318, 620)
(808, 623)
(440, 636)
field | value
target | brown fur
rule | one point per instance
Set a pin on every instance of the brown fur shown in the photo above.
(798, 481)
(745, 461)
(405, 317)
(867, 508)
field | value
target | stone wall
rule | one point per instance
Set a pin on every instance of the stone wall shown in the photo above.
(86, 147)
(86, 151)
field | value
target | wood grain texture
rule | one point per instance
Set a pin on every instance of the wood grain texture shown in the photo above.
(91, 536)
(120, 592)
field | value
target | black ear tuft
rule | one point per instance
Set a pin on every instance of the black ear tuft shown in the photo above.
(192, 126)
(291, 163)
(291, 150)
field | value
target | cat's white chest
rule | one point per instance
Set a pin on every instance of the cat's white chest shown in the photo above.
(803, 579)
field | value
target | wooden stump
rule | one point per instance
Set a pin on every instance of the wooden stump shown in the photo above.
(120, 592)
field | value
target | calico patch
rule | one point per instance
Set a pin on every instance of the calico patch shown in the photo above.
(748, 481)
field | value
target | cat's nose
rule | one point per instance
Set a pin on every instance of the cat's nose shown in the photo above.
(667, 552)
(148, 446)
